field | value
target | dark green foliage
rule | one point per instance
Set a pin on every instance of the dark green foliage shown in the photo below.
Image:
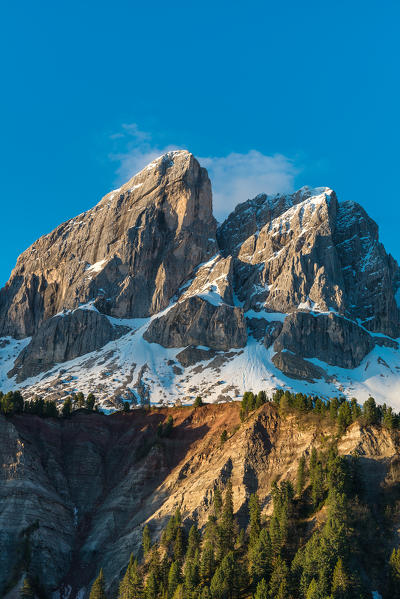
(262, 590)
(98, 588)
(198, 402)
(11, 403)
(131, 586)
(146, 540)
(301, 475)
(224, 436)
(250, 403)
(174, 578)
(165, 430)
(370, 412)
(90, 402)
(67, 408)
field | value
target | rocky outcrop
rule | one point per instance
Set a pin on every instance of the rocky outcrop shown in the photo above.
(307, 250)
(65, 337)
(195, 321)
(295, 367)
(131, 252)
(191, 355)
(328, 337)
(213, 279)
(151, 249)
(370, 275)
(81, 489)
(272, 331)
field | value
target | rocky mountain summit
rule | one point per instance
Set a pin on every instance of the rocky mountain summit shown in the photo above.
(144, 298)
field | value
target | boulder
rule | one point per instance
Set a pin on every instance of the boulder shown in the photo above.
(195, 321)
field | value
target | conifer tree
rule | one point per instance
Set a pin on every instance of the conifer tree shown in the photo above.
(313, 591)
(261, 399)
(98, 587)
(262, 590)
(146, 540)
(340, 581)
(174, 579)
(151, 587)
(27, 590)
(207, 563)
(131, 586)
(205, 593)
(227, 521)
(255, 519)
(279, 575)
(301, 475)
(217, 502)
(193, 542)
(179, 545)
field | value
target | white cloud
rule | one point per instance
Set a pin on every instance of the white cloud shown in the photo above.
(139, 151)
(235, 177)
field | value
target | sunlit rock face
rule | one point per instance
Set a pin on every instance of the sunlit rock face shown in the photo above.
(109, 299)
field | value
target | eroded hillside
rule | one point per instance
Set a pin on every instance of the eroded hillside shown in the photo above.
(78, 491)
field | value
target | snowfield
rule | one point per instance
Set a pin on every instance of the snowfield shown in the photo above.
(135, 370)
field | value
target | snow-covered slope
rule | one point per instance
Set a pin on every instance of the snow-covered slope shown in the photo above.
(291, 291)
(132, 369)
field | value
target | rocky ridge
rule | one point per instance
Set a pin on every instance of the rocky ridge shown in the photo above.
(142, 297)
(103, 478)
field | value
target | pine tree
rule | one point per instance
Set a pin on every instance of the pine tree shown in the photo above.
(262, 590)
(261, 399)
(279, 575)
(191, 574)
(205, 593)
(301, 475)
(98, 587)
(179, 545)
(217, 502)
(313, 591)
(67, 408)
(207, 563)
(340, 581)
(131, 586)
(224, 580)
(193, 542)
(227, 522)
(151, 590)
(174, 579)
(255, 519)
(27, 590)
(146, 540)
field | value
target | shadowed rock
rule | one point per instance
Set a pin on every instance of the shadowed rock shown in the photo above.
(64, 338)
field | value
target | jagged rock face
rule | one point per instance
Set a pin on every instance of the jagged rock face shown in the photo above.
(131, 252)
(153, 244)
(296, 367)
(370, 275)
(332, 339)
(307, 250)
(64, 338)
(194, 321)
(85, 486)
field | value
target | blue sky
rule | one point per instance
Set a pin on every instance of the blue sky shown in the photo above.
(270, 95)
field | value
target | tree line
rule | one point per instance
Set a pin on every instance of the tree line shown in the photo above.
(271, 557)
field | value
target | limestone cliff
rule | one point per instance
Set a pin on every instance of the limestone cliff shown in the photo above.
(143, 298)
(81, 489)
